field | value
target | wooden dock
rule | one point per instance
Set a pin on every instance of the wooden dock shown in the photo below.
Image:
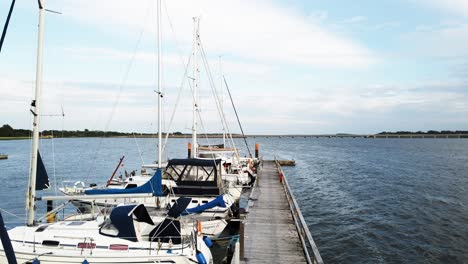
(272, 231)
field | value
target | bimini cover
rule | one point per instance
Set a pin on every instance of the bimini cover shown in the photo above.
(154, 186)
(219, 201)
(194, 162)
(179, 206)
(120, 222)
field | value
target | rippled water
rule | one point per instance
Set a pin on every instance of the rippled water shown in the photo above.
(365, 200)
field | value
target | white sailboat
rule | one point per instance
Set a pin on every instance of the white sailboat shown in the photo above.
(128, 235)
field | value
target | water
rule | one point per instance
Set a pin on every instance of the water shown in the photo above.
(365, 200)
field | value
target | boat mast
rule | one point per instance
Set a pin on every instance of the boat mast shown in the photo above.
(31, 195)
(195, 86)
(160, 95)
(222, 99)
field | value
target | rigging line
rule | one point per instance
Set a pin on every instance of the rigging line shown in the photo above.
(5, 28)
(121, 87)
(215, 95)
(53, 161)
(238, 120)
(177, 102)
(5, 211)
(138, 146)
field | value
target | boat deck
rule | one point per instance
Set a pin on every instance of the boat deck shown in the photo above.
(270, 233)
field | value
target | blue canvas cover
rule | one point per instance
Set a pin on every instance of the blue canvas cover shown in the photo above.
(194, 162)
(219, 201)
(122, 217)
(123, 222)
(179, 206)
(154, 186)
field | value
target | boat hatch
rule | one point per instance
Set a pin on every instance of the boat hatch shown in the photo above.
(75, 223)
(41, 228)
(50, 243)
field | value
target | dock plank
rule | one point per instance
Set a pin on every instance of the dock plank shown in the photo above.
(270, 234)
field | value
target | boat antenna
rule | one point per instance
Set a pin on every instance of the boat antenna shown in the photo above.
(36, 111)
(238, 120)
(196, 71)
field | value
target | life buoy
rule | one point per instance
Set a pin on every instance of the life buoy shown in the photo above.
(79, 184)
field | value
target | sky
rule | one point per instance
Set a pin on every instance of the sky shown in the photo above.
(293, 67)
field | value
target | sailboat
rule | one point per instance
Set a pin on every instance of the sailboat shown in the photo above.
(128, 235)
(171, 190)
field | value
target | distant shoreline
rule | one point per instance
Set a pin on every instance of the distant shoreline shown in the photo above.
(9, 133)
(402, 136)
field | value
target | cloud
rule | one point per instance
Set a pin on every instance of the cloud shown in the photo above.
(253, 31)
(355, 19)
(459, 7)
(443, 41)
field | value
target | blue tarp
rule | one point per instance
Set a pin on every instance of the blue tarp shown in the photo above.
(219, 201)
(154, 186)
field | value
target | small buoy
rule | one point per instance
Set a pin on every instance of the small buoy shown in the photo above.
(208, 241)
(200, 258)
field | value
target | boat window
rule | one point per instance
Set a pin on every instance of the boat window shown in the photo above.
(108, 228)
(50, 243)
(130, 185)
(194, 201)
(41, 228)
(204, 202)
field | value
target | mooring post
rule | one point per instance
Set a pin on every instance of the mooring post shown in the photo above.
(189, 150)
(256, 150)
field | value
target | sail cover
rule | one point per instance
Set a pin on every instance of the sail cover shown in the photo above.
(42, 179)
(219, 201)
(179, 206)
(154, 186)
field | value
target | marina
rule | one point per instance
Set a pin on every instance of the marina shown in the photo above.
(134, 150)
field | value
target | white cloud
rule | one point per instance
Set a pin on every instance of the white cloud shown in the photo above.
(252, 30)
(453, 6)
(439, 41)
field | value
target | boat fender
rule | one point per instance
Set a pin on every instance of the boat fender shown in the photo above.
(207, 241)
(36, 261)
(85, 262)
(200, 258)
